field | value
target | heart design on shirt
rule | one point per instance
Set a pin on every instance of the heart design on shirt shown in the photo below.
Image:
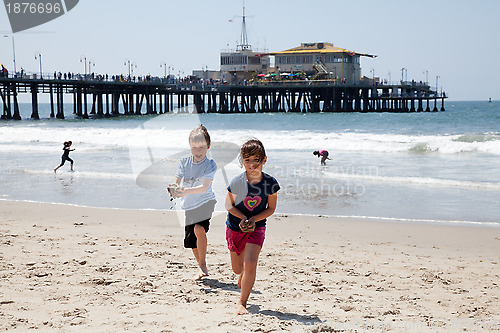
(252, 202)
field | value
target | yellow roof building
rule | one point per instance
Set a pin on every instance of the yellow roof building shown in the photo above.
(322, 59)
(320, 48)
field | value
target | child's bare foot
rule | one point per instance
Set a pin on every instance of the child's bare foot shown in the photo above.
(242, 310)
(201, 273)
(200, 276)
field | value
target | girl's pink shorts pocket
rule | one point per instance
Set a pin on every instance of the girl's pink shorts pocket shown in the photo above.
(237, 240)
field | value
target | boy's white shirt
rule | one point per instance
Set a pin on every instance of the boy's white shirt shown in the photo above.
(193, 174)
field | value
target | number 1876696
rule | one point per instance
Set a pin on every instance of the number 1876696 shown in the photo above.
(33, 8)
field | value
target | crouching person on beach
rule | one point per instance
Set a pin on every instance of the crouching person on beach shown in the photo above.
(251, 198)
(196, 173)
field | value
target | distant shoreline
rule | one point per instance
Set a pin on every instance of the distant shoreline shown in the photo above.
(379, 219)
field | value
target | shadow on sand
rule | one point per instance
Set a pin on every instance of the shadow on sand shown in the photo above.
(213, 284)
(304, 319)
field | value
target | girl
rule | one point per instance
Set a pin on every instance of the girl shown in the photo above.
(65, 155)
(251, 198)
(324, 155)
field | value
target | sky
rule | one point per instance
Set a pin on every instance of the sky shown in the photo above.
(453, 39)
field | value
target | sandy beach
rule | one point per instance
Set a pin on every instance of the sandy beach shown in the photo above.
(72, 269)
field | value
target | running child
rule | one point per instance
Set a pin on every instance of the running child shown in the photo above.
(251, 198)
(65, 155)
(196, 173)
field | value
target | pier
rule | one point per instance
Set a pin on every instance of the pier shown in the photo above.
(98, 98)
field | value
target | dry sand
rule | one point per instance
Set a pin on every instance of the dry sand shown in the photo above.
(65, 268)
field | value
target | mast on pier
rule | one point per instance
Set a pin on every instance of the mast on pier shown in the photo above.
(244, 37)
(243, 63)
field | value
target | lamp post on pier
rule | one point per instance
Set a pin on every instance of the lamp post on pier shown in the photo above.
(164, 65)
(170, 68)
(130, 65)
(38, 56)
(91, 63)
(426, 72)
(127, 63)
(13, 52)
(84, 60)
(204, 69)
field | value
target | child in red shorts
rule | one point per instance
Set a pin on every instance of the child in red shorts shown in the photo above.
(251, 198)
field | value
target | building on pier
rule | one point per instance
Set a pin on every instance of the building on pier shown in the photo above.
(323, 60)
(320, 60)
(207, 74)
(241, 64)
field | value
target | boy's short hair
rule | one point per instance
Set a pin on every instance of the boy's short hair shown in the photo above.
(200, 133)
(253, 147)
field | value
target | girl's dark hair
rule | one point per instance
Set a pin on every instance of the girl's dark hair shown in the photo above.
(200, 133)
(252, 147)
(315, 152)
(67, 143)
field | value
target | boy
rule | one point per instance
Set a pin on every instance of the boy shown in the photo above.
(197, 173)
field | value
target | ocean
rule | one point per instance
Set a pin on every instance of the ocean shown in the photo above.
(432, 167)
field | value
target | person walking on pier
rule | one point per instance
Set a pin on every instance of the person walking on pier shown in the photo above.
(323, 154)
(4, 72)
(65, 155)
(197, 173)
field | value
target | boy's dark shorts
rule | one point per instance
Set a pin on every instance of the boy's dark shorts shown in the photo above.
(201, 216)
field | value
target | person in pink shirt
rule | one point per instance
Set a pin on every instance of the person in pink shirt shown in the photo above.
(323, 154)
